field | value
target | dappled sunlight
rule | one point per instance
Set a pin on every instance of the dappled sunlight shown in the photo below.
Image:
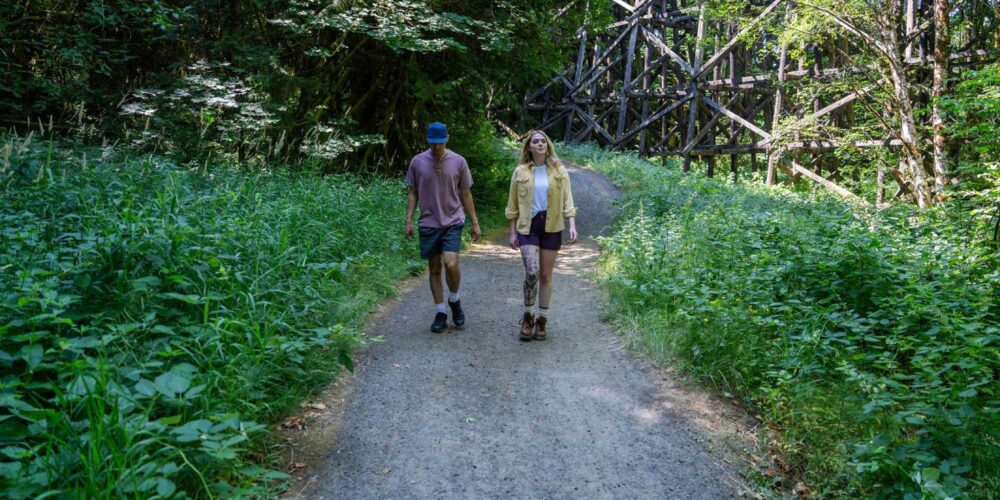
(491, 250)
(572, 260)
(577, 257)
(646, 415)
(674, 405)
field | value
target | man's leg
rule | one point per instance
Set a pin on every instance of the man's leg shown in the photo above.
(436, 264)
(454, 277)
(452, 274)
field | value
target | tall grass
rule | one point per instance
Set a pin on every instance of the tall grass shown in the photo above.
(153, 319)
(869, 339)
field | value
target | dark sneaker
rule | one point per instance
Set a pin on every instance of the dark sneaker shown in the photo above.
(527, 324)
(457, 316)
(440, 323)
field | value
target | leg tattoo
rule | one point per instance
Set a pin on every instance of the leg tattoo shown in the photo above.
(529, 253)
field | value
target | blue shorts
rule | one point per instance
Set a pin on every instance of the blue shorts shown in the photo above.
(435, 240)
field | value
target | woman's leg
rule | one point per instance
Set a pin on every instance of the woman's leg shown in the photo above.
(547, 263)
(529, 254)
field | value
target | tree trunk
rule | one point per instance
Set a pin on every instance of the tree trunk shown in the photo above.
(996, 33)
(773, 157)
(911, 150)
(942, 40)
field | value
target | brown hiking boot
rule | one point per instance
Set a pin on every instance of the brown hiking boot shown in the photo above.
(540, 328)
(527, 324)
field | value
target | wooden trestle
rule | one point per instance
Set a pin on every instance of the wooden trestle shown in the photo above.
(665, 81)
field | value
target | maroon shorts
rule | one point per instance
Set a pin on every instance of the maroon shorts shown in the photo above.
(537, 235)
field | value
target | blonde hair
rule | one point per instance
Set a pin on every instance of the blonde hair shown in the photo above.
(551, 159)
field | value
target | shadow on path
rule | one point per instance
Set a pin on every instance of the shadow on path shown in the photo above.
(475, 413)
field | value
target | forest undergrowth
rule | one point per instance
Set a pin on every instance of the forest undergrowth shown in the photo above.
(156, 319)
(867, 339)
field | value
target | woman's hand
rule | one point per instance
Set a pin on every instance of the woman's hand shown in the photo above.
(572, 230)
(512, 241)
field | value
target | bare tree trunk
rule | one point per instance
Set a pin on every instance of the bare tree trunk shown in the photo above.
(911, 150)
(773, 157)
(880, 192)
(908, 135)
(942, 51)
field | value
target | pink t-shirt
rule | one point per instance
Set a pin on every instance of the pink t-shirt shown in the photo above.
(439, 191)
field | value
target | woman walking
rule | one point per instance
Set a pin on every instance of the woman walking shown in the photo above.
(539, 205)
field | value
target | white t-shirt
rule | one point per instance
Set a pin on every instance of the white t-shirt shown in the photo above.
(541, 199)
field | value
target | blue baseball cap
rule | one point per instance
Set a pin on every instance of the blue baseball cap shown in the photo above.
(437, 133)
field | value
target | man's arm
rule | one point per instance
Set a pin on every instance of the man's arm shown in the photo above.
(411, 205)
(470, 209)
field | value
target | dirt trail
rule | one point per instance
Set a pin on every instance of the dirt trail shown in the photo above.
(475, 413)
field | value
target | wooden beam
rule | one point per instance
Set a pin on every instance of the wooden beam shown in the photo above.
(817, 146)
(628, 7)
(596, 126)
(971, 54)
(829, 108)
(554, 119)
(704, 129)
(627, 83)
(645, 82)
(823, 181)
(590, 127)
(693, 109)
(666, 50)
(666, 136)
(651, 67)
(652, 118)
(725, 149)
(594, 73)
(547, 85)
(736, 118)
(589, 75)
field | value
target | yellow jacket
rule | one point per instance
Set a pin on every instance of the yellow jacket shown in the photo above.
(522, 193)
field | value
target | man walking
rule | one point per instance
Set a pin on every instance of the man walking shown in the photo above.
(440, 179)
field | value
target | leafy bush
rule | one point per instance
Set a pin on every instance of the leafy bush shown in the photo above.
(153, 318)
(974, 113)
(351, 83)
(869, 338)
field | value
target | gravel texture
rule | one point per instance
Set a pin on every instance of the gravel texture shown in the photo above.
(475, 413)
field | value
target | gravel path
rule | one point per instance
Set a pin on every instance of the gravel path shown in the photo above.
(475, 413)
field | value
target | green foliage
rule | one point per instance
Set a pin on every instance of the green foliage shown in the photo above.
(347, 86)
(152, 318)
(410, 26)
(62, 57)
(872, 339)
(973, 109)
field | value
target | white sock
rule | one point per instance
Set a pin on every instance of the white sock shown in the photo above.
(452, 297)
(530, 309)
(440, 308)
(543, 312)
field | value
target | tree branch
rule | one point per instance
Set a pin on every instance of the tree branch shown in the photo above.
(851, 28)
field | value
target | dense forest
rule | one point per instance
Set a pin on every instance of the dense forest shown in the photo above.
(350, 83)
(183, 185)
